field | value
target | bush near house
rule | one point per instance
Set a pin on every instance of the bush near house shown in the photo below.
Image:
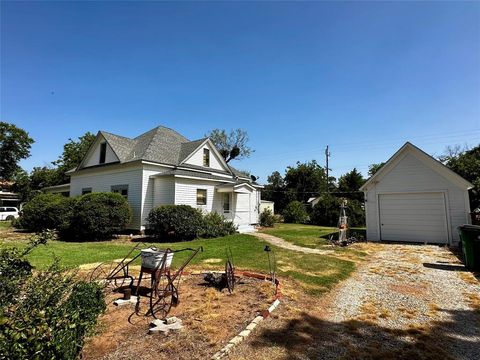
(89, 217)
(44, 314)
(46, 211)
(267, 219)
(215, 225)
(183, 222)
(98, 216)
(177, 222)
(295, 213)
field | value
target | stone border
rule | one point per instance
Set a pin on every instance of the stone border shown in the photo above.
(253, 324)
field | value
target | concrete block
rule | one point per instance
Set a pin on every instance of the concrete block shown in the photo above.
(236, 340)
(244, 333)
(120, 302)
(164, 327)
(251, 326)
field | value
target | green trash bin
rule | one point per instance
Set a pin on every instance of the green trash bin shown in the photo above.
(470, 236)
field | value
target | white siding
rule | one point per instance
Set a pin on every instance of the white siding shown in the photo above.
(93, 157)
(150, 193)
(101, 180)
(186, 193)
(408, 175)
(197, 159)
(244, 207)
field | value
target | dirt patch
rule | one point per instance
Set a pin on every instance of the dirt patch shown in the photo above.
(409, 289)
(210, 318)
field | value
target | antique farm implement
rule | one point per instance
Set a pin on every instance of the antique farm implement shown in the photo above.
(164, 283)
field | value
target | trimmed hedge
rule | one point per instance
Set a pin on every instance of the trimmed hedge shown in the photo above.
(183, 222)
(99, 216)
(177, 222)
(46, 211)
(89, 217)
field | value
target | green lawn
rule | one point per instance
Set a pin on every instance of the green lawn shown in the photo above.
(301, 235)
(4, 224)
(317, 272)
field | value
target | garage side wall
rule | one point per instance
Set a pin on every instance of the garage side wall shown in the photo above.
(412, 175)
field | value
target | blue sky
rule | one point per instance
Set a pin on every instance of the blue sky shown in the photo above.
(360, 77)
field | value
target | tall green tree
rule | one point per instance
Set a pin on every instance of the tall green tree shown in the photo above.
(15, 144)
(466, 163)
(275, 191)
(73, 153)
(349, 185)
(306, 180)
(373, 168)
(233, 145)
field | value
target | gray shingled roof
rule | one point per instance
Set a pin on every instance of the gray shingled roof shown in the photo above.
(160, 144)
(166, 146)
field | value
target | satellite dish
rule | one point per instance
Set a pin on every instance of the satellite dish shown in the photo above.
(253, 178)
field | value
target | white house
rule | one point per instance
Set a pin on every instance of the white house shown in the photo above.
(415, 198)
(162, 167)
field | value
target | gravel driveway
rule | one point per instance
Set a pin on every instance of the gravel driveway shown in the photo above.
(404, 302)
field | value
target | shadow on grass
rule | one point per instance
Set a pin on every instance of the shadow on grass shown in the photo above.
(310, 337)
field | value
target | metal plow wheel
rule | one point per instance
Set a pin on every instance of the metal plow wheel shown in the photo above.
(230, 276)
(163, 297)
(102, 274)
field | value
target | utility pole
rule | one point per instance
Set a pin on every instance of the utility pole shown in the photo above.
(327, 155)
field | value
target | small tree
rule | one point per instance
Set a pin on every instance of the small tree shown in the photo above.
(267, 219)
(231, 146)
(295, 213)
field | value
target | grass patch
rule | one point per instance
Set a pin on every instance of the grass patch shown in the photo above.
(5, 224)
(247, 251)
(302, 235)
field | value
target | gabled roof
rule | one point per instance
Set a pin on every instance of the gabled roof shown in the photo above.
(428, 160)
(166, 146)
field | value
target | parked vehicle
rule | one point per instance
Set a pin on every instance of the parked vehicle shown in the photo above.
(8, 213)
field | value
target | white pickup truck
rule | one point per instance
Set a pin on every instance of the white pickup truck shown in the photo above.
(8, 213)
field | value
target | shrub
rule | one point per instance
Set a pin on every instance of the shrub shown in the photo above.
(46, 211)
(98, 216)
(295, 213)
(267, 219)
(44, 314)
(215, 225)
(177, 222)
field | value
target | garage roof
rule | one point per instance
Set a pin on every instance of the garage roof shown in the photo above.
(428, 160)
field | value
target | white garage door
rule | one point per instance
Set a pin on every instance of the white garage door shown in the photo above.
(413, 217)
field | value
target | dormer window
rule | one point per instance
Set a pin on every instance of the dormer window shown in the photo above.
(206, 157)
(103, 152)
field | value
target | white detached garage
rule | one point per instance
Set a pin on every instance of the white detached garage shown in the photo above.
(415, 198)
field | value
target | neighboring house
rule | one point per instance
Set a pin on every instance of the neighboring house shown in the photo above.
(162, 167)
(7, 196)
(265, 204)
(415, 198)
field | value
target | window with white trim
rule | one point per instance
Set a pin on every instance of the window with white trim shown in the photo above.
(201, 197)
(206, 157)
(226, 202)
(121, 189)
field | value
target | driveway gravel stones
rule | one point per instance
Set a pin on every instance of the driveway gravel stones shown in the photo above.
(403, 302)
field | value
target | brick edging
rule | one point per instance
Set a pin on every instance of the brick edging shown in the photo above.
(253, 324)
